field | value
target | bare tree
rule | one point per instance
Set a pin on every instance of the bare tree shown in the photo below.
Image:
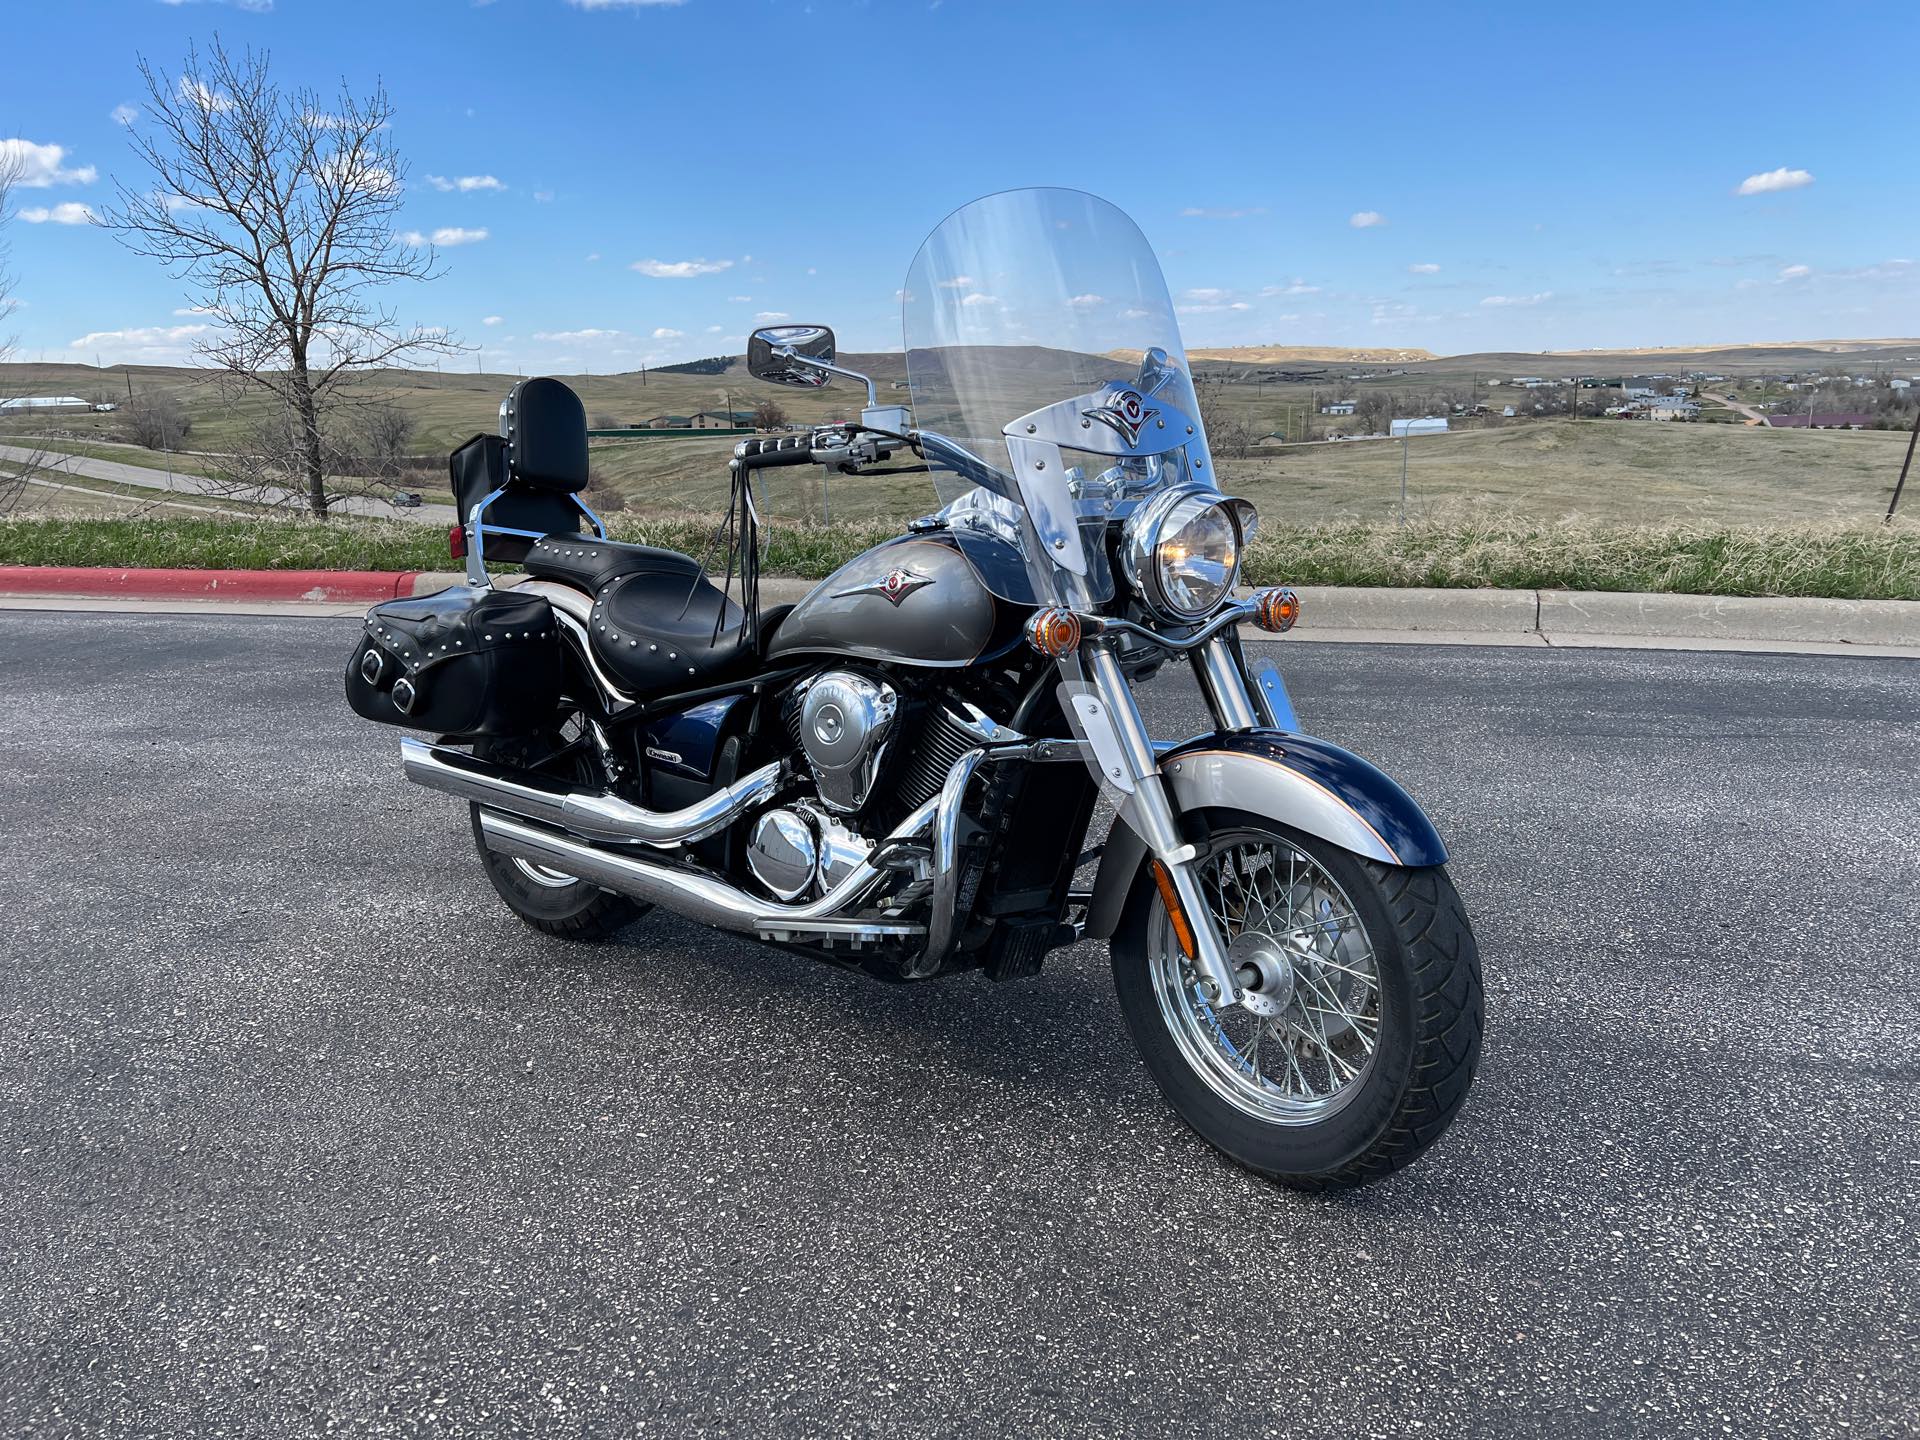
(18, 466)
(278, 208)
(384, 429)
(769, 415)
(156, 420)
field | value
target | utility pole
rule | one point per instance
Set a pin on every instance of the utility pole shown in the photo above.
(1901, 484)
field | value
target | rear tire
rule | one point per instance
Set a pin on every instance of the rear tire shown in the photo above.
(1376, 1040)
(550, 901)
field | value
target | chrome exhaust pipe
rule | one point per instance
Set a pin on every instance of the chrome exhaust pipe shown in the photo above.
(596, 816)
(702, 897)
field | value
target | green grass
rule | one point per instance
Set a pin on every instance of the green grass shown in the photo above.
(1849, 561)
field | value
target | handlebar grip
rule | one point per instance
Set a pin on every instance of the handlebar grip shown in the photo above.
(781, 450)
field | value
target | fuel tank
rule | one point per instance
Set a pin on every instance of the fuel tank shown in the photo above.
(915, 601)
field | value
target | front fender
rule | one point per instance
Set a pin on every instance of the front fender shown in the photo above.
(1311, 785)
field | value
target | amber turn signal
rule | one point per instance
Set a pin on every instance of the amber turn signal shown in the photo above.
(1054, 632)
(1170, 898)
(1276, 609)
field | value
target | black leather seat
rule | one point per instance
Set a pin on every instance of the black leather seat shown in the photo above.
(652, 624)
(590, 562)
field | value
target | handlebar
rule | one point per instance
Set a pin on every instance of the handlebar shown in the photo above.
(780, 450)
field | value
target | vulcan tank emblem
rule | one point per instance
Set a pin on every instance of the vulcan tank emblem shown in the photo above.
(898, 584)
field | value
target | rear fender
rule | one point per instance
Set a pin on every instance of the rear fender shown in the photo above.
(1308, 784)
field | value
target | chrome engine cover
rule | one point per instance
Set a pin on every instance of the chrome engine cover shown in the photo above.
(845, 719)
(783, 853)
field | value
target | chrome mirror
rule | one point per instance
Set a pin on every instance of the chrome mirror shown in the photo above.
(780, 354)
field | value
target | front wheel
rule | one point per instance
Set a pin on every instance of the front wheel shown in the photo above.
(1359, 1027)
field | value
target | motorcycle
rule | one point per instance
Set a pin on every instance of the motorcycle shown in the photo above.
(899, 773)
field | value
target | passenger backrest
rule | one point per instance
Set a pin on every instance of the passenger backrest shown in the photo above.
(545, 427)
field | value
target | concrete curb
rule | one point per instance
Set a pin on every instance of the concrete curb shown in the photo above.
(1328, 612)
(317, 586)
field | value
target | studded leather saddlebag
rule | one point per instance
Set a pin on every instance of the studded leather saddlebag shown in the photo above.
(462, 662)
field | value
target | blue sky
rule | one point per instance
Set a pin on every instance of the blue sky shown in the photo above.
(1431, 175)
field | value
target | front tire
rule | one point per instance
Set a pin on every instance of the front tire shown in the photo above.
(1361, 1031)
(551, 901)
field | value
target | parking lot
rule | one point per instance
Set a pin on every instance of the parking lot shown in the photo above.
(301, 1131)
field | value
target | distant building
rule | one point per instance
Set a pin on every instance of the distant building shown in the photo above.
(45, 402)
(1900, 384)
(720, 420)
(1428, 425)
(1532, 382)
(1338, 407)
(1820, 420)
(669, 422)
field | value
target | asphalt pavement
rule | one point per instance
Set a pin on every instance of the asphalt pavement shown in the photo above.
(301, 1132)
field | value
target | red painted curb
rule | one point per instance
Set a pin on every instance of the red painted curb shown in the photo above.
(340, 586)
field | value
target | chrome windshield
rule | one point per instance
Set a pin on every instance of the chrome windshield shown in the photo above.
(1044, 355)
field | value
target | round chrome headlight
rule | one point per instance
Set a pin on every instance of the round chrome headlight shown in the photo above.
(1183, 553)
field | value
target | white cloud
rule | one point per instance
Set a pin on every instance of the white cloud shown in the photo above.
(1298, 287)
(355, 174)
(1087, 302)
(1366, 219)
(578, 337)
(1768, 181)
(543, 196)
(491, 320)
(811, 270)
(39, 166)
(198, 94)
(69, 213)
(680, 269)
(665, 334)
(958, 282)
(771, 317)
(715, 329)
(979, 299)
(465, 184)
(124, 114)
(1202, 212)
(1427, 268)
(1204, 294)
(445, 235)
(1794, 272)
(154, 343)
(739, 299)
(256, 7)
(1537, 299)
(594, 258)
(623, 4)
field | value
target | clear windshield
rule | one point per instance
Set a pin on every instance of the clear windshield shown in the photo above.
(1041, 343)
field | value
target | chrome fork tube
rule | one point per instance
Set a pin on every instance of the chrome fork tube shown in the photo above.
(1225, 685)
(1159, 822)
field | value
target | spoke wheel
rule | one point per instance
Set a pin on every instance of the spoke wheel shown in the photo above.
(551, 900)
(1301, 1042)
(1356, 1027)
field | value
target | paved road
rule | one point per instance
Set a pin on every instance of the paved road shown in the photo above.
(49, 462)
(300, 1131)
(1759, 417)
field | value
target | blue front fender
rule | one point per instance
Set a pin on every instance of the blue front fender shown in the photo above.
(1308, 784)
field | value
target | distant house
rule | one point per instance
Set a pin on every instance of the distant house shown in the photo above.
(45, 402)
(1428, 425)
(1532, 382)
(1820, 420)
(669, 422)
(1672, 407)
(1900, 384)
(1338, 407)
(1639, 392)
(720, 420)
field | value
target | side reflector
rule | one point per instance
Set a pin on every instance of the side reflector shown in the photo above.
(457, 542)
(1054, 631)
(1182, 931)
(1276, 609)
